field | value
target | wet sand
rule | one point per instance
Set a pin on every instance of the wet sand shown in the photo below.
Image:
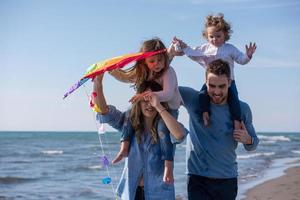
(286, 187)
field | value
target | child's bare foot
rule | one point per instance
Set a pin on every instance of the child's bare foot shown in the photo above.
(205, 116)
(168, 172)
(237, 125)
(122, 153)
(118, 157)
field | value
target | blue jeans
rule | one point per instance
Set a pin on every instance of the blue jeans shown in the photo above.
(233, 101)
(204, 188)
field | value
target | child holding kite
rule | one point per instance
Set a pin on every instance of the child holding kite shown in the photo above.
(154, 68)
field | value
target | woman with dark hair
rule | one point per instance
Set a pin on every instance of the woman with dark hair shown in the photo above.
(142, 177)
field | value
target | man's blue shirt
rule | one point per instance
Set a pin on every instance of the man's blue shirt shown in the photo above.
(210, 151)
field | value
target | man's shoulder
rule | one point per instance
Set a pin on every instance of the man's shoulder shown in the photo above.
(189, 95)
(184, 89)
(244, 105)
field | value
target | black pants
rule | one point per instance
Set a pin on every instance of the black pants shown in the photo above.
(204, 188)
(139, 195)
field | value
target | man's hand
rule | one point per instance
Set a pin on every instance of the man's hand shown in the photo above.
(241, 135)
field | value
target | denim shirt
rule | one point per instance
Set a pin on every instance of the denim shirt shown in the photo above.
(144, 159)
(210, 151)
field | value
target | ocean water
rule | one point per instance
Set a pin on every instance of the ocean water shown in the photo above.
(67, 165)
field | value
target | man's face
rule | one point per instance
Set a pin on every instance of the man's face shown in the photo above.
(217, 88)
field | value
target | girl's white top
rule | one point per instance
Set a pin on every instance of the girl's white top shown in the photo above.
(207, 53)
(170, 92)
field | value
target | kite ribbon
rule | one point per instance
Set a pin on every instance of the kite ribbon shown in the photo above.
(110, 64)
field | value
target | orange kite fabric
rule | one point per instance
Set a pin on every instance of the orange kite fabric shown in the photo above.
(111, 64)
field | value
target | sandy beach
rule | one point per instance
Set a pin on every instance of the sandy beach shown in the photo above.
(286, 187)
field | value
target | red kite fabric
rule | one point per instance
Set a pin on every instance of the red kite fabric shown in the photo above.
(110, 64)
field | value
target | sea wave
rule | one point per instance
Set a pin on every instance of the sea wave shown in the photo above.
(95, 167)
(296, 151)
(52, 152)
(14, 180)
(83, 168)
(246, 156)
(274, 138)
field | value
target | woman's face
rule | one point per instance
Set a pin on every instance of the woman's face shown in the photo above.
(147, 110)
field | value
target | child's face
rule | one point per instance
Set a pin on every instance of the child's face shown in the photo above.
(155, 63)
(214, 37)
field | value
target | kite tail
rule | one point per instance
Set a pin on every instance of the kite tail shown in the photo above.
(75, 86)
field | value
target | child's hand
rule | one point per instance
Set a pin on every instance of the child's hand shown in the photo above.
(182, 44)
(172, 51)
(152, 98)
(242, 135)
(138, 97)
(250, 49)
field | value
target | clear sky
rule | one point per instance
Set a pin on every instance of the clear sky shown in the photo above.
(46, 46)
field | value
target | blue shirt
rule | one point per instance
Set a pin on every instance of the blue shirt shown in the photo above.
(210, 151)
(144, 159)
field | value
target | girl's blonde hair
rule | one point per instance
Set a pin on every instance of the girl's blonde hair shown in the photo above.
(139, 72)
(137, 117)
(219, 22)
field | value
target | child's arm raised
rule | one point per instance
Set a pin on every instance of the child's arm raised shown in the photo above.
(250, 50)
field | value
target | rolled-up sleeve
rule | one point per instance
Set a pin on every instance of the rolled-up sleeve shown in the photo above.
(178, 141)
(250, 129)
(114, 118)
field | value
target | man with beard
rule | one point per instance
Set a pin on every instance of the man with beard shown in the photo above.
(211, 157)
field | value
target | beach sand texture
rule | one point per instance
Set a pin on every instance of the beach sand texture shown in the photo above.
(286, 187)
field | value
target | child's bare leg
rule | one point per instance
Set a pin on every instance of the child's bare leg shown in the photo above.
(205, 116)
(237, 125)
(123, 152)
(168, 172)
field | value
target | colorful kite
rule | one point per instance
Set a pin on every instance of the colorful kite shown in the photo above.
(110, 64)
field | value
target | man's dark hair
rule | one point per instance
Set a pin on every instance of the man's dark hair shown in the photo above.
(218, 67)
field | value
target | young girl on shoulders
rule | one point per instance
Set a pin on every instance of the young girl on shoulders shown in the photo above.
(217, 32)
(155, 68)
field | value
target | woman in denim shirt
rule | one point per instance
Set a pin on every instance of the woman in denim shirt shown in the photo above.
(142, 177)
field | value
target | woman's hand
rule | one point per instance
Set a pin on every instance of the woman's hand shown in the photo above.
(99, 98)
(152, 98)
(98, 79)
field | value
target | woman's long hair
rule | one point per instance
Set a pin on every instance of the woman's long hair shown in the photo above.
(137, 117)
